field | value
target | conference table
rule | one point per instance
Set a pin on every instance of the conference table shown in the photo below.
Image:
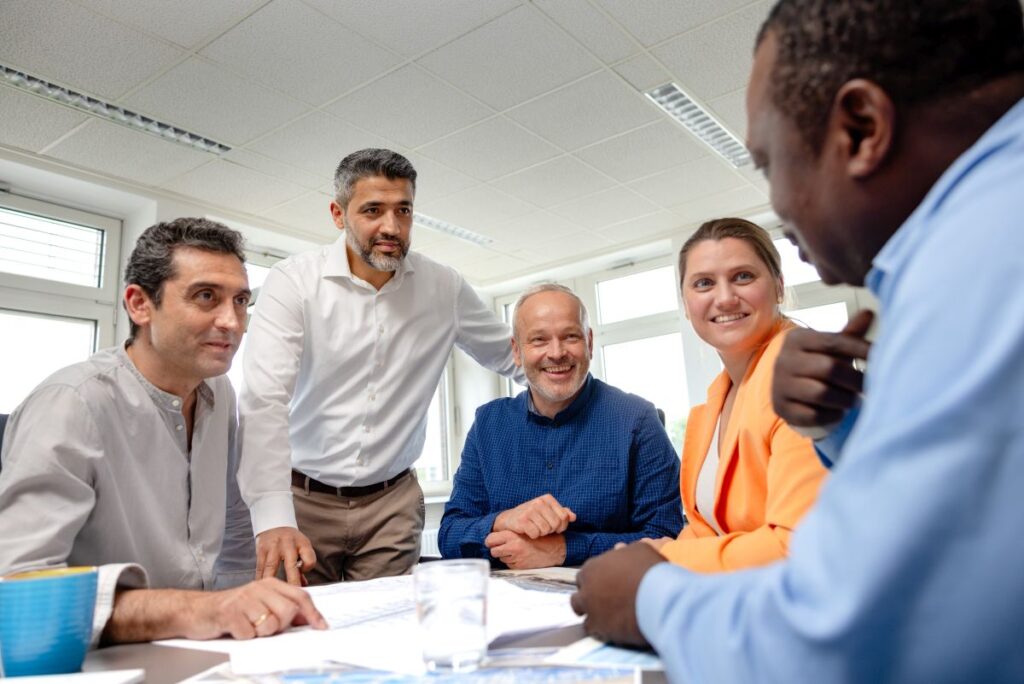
(165, 665)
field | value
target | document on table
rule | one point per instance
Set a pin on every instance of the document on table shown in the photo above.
(373, 625)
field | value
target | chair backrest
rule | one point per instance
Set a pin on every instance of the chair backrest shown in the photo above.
(661, 416)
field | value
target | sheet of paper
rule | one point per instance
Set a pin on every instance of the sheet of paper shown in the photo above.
(373, 624)
(108, 677)
(588, 652)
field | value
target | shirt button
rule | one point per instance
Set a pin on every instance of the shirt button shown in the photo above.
(366, 428)
(176, 403)
(550, 465)
(380, 329)
(372, 396)
(179, 428)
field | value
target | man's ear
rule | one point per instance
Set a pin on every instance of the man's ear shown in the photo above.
(138, 304)
(338, 214)
(590, 341)
(862, 125)
(516, 354)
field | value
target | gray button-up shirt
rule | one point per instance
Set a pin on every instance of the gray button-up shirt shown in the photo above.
(97, 471)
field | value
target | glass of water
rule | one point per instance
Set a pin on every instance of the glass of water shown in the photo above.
(451, 602)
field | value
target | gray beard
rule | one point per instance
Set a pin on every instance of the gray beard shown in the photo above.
(376, 261)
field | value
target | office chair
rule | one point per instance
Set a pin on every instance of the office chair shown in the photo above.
(661, 416)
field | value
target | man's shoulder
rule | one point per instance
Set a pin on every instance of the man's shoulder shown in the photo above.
(426, 268)
(85, 375)
(503, 408)
(623, 402)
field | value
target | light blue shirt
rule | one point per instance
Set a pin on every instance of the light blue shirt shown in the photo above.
(910, 568)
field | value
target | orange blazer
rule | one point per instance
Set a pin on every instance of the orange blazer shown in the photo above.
(768, 475)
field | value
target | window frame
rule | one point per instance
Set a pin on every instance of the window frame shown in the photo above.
(443, 488)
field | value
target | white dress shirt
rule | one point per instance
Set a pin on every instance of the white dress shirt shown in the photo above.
(339, 376)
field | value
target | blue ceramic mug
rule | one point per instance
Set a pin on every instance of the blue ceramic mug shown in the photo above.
(46, 620)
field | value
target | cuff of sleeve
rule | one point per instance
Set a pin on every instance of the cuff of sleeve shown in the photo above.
(109, 579)
(577, 548)
(273, 510)
(659, 586)
(830, 446)
(472, 545)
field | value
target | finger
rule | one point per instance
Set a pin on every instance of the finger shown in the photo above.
(798, 414)
(838, 344)
(290, 557)
(578, 604)
(271, 561)
(534, 528)
(572, 515)
(493, 539)
(307, 554)
(300, 603)
(622, 545)
(859, 325)
(823, 393)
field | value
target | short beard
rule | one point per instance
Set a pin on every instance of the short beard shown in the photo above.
(376, 261)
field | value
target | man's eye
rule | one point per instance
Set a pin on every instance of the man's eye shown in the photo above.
(405, 211)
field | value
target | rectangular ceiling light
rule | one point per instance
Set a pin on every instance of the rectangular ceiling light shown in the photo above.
(449, 229)
(110, 112)
(700, 122)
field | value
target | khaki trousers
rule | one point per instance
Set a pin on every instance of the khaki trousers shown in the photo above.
(362, 537)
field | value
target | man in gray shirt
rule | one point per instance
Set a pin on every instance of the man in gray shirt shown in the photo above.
(127, 460)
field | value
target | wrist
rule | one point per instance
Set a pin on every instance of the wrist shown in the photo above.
(500, 524)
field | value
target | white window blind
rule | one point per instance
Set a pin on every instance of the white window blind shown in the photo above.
(50, 249)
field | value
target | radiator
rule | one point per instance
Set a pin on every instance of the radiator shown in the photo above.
(428, 543)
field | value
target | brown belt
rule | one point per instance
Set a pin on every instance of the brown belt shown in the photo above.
(306, 482)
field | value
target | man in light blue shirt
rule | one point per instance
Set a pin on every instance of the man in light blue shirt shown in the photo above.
(892, 134)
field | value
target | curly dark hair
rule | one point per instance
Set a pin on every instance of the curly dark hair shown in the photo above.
(916, 50)
(152, 261)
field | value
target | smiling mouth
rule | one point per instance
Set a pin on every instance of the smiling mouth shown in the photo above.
(728, 318)
(557, 371)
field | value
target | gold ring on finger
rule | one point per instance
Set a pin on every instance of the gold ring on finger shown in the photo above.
(260, 620)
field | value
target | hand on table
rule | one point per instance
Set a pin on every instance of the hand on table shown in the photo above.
(519, 552)
(284, 545)
(815, 382)
(606, 594)
(257, 609)
(536, 518)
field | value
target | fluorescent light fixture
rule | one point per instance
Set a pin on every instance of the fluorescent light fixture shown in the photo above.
(681, 107)
(449, 229)
(110, 112)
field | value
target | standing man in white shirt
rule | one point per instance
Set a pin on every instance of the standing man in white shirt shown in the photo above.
(344, 354)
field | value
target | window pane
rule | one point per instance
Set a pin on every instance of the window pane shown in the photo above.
(653, 369)
(47, 248)
(827, 318)
(794, 270)
(432, 465)
(33, 346)
(640, 294)
(257, 275)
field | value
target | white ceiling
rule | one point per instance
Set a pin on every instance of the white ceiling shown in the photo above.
(525, 119)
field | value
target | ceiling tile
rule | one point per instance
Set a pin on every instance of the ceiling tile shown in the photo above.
(731, 110)
(299, 51)
(755, 177)
(735, 202)
(453, 251)
(205, 98)
(476, 209)
(411, 27)
(606, 207)
(652, 225)
(309, 214)
(554, 182)
(231, 185)
(435, 180)
(272, 167)
(410, 106)
(32, 123)
(485, 269)
(643, 72)
(188, 23)
(533, 231)
(534, 58)
(715, 59)
(644, 151)
(315, 143)
(490, 149)
(652, 21)
(706, 176)
(591, 109)
(81, 50)
(125, 153)
(591, 27)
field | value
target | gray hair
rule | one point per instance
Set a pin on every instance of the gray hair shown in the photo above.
(367, 163)
(548, 287)
(151, 263)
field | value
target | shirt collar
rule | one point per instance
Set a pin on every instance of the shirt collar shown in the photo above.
(570, 411)
(164, 400)
(337, 266)
(901, 247)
